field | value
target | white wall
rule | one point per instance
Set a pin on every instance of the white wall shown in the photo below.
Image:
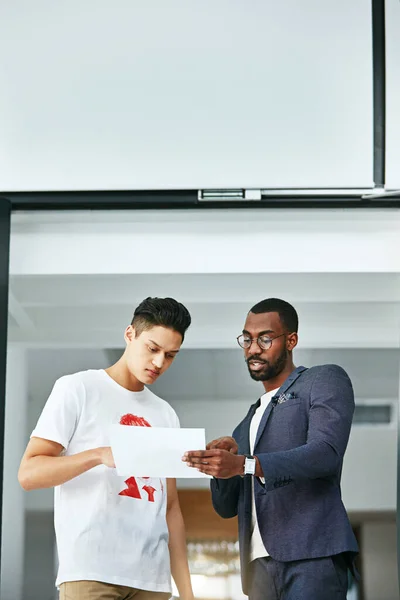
(369, 479)
(392, 16)
(138, 95)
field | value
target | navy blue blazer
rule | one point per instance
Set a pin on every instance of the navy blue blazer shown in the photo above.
(300, 444)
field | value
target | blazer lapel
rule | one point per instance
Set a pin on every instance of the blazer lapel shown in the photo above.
(282, 390)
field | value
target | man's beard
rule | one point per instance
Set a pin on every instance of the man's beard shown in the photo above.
(269, 371)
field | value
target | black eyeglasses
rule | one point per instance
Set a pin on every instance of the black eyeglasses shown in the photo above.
(263, 341)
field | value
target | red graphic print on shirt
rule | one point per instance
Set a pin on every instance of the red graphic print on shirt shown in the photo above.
(150, 492)
(132, 490)
(134, 420)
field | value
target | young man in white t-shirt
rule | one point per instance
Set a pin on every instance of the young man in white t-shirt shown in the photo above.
(117, 538)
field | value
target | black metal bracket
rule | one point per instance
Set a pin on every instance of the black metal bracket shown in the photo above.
(379, 89)
(5, 219)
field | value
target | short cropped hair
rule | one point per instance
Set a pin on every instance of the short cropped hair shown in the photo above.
(286, 312)
(164, 312)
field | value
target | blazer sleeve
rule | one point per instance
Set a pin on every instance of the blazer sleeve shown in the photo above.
(225, 496)
(225, 493)
(330, 417)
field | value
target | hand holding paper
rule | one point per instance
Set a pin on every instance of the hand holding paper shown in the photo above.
(216, 462)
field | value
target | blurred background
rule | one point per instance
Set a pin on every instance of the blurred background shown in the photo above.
(74, 319)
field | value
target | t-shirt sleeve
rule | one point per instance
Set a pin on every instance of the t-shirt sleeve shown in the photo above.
(60, 414)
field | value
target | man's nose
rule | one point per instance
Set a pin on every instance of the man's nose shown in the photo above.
(254, 348)
(158, 361)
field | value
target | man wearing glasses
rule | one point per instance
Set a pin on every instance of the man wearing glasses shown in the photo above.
(280, 472)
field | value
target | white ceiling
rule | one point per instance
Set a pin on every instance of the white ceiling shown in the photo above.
(75, 278)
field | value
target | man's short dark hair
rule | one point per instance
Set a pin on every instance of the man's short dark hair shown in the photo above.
(286, 312)
(164, 312)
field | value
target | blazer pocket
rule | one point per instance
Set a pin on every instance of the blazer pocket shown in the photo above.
(288, 403)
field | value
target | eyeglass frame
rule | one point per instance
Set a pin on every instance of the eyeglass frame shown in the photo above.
(258, 342)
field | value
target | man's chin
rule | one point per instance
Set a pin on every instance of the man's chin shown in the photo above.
(259, 375)
(143, 378)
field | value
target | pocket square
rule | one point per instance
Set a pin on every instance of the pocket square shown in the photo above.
(284, 397)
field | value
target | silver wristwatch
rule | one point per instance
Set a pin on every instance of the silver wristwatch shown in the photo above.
(249, 465)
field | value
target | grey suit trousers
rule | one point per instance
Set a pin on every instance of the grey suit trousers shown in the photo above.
(316, 579)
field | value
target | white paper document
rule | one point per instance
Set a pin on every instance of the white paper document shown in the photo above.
(155, 451)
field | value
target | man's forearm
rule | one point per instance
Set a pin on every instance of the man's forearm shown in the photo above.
(49, 471)
(178, 552)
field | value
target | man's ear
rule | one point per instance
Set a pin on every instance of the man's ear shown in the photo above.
(129, 334)
(292, 340)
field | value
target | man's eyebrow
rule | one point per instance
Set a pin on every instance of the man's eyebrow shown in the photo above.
(161, 348)
(261, 332)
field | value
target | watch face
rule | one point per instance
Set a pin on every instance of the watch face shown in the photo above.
(249, 466)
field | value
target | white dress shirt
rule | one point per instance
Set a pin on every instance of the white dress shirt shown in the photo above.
(257, 548)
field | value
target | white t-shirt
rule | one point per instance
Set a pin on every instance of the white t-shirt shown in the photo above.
(257, 548)
(108, 528)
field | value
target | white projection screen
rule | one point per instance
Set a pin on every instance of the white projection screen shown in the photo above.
(178, 94)
(392, 10)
